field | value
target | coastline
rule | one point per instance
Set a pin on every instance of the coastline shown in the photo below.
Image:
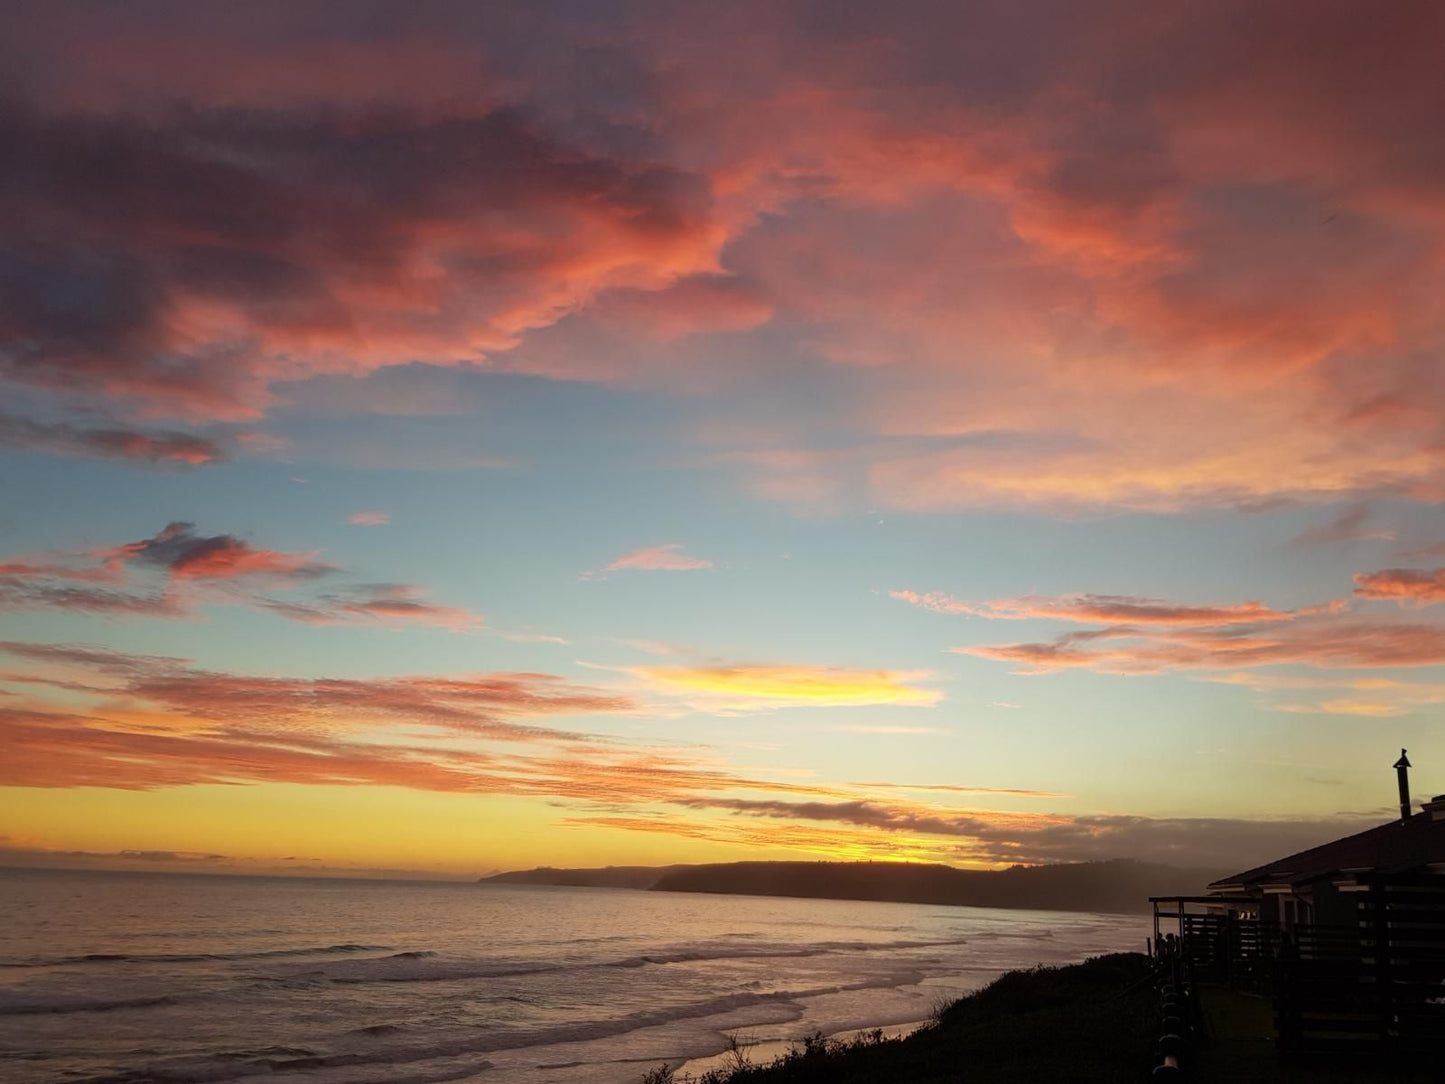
(1090, 1021)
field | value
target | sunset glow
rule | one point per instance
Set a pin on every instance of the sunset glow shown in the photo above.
(486, 436)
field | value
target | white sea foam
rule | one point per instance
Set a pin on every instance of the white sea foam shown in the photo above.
(365, 982)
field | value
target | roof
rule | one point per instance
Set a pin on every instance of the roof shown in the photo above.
(1399, 845)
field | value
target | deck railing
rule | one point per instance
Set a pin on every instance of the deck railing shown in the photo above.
(1375, 986)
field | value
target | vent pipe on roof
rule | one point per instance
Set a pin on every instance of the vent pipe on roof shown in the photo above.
(1402, 772)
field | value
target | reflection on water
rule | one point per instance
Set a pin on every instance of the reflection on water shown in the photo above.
(192, 978)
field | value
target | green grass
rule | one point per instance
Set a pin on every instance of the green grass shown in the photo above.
(1090, 1022)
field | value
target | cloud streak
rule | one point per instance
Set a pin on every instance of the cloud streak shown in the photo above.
(668, 557)
(1348, 526)
(176, 571)
(1407, 586)
(1320, 643)
(87, 716)
(164, 448)
(1133, 635)
(377, 603)
(1093, 609)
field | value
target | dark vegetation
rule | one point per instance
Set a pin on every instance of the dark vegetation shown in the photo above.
(1119, 885)
(1086, 1023)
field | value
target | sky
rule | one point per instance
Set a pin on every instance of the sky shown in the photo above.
(456, 437)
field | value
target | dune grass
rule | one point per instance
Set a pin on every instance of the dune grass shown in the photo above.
(1089, 1022)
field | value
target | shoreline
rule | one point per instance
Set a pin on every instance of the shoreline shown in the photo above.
(1089, 1021)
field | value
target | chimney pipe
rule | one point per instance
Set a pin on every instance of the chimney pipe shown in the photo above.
(1402, 772)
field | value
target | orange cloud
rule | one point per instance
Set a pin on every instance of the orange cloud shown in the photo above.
(1091, 609)
(1322, 643)
(1368, 709)
(369, 519)
(143, 722)
(1407, 586)
(386, 603)
(1369, 696)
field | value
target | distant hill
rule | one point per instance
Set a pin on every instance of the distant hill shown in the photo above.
(1121, 885)
(605, 877)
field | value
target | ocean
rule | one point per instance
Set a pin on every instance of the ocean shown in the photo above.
(178, 977)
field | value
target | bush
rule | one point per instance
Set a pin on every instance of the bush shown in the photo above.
(1088, 1022)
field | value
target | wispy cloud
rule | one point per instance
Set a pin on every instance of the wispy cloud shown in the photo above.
(1093, 609)
(163, 448)
(1149, 636)
(955, 788)
(379, 603)
(664, 558)
(142, 722)
(651, 647)
(1358, 696)
(885, 728)
(1368, 709)
(369, 519)
(1347, 526)
(872, 829)
(1322, 643)
(1436, 550)
(525, 636)
(176, 571)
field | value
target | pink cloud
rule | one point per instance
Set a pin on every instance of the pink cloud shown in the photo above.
(144, 722)
(369, 519)
(384, 603)
(664, 558)
(1129, 268)
(1324, 643)
(431, 252)
(1407, 586)
(194, 569)
(186, 555)
(1089, 609)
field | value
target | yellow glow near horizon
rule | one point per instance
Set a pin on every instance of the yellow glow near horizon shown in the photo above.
(303, 828)
(838, 686)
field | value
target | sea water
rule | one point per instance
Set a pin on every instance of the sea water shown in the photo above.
(175, 977)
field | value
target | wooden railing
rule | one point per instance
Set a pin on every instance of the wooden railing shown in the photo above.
(1376, 986)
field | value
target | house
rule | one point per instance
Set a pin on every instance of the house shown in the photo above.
(1347, 938)
(1321, 886)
